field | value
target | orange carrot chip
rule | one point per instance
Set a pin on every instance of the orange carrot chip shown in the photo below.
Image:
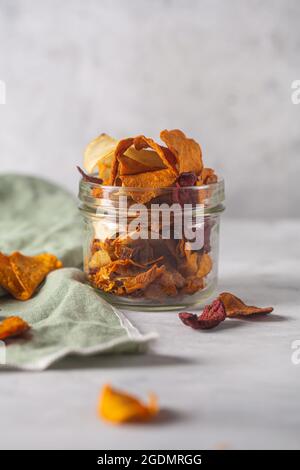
(150, 179)
(142, 280)
(165, 154)
(205, 265)
(128, 166)
(193, 285)
(121, 148)
(8, 278)
(21, 275)
(12, 326)
(119, 407)
(235, 306)
(207, 176)
(131, 158)
(187, 151)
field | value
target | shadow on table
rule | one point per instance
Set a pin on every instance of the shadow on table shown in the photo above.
(119, 361)
(168, 416)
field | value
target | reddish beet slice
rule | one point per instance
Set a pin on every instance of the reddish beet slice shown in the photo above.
(89, 178)
(183, 192)
(187, 179)
(189, 319)
(211, 316)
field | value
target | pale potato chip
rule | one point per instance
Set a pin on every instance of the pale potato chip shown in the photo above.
(104, 168)
(147, 157)
(100, 149)
(99, 259)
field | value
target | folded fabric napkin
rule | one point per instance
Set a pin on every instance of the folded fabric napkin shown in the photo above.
(67, 316)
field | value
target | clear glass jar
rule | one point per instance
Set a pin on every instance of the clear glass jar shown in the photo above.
(152, 248)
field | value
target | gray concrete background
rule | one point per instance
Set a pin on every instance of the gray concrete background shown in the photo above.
(220, 70)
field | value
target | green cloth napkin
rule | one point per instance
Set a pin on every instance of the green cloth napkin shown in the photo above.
(67, 316)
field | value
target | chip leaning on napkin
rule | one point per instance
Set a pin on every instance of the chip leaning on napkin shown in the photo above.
(66, 315)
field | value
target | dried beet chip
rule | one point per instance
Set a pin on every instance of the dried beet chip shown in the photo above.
(90, 179)
(187, 178)
(211, 316)
(189, 319)
(182, 194)
(208, 225)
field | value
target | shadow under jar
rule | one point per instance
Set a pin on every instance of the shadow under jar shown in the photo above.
(152, 249)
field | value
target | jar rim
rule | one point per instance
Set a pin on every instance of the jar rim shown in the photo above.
(87, 184)
(211, 195)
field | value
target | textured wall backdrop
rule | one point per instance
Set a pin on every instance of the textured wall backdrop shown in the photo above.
(220, 70)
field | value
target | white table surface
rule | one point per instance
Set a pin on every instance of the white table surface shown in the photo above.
(233, 387)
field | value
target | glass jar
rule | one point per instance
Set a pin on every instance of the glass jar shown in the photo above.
(153, 249)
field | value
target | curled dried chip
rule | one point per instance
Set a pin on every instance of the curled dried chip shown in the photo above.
(189, 266)
(187, 151)
(131, 158)
(147, 157)
(89, 178)
(189, 319)
(12, 326)
(128, 166)
(165, 154)
(99, 259)
(205, 265)
(151, 179)
(211, 316)
(142, 280)
(8, 278)
(135, 161)
(121, 148)
(167, 285)
(187, 179)
(119, 407)
(193, 285)
(236, 307)
(99, 150)
(208, 176)
(21, 275)
(183, 192)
